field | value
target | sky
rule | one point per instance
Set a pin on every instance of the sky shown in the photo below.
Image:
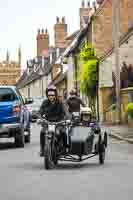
(20, 20)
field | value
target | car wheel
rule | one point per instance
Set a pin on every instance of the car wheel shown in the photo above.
(27, 137)
(19, 138)
(101, 151)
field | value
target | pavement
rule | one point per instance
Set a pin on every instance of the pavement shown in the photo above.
(121, 132)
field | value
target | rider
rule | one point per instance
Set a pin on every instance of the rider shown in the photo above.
(74, 102)
(53, 110)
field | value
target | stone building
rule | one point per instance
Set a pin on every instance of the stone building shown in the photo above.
(10, 71)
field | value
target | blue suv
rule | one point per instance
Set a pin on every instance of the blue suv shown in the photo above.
(14, 116)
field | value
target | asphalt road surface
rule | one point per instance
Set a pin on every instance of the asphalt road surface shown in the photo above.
(23, 177)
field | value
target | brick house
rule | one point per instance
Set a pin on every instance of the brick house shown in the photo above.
(103, 42)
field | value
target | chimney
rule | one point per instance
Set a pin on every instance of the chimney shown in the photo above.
(60, 33)
(42, 43)
(84, 13)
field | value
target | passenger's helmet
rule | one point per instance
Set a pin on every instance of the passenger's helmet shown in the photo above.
(86, 114)
(73, 92)
(51, 88)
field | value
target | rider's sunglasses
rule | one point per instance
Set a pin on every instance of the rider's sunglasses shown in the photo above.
(51, 95)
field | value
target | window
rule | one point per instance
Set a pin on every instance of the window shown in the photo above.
(7, 94)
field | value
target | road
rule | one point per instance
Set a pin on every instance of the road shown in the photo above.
(22, 176)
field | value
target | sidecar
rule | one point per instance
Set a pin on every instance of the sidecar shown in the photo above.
(86, 142)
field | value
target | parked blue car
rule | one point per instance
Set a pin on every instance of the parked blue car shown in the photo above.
(14, 116)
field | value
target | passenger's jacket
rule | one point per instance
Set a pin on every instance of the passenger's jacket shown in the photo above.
(53, 112)
(74, 103)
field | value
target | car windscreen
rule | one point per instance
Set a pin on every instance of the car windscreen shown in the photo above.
(7, 94)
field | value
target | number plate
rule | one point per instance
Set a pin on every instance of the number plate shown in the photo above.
(51, 128)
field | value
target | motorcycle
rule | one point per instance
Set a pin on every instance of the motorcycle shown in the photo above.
(69, 141)
(55, 134)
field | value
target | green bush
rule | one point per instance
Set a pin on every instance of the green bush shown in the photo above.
(129, 110)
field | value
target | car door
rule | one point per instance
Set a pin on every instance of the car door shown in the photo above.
(8, 99)
(24, 113)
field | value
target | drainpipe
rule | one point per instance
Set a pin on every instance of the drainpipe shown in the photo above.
(28, 91)
(42, 86)
(76, 71)
(116, 30)
(97, 91)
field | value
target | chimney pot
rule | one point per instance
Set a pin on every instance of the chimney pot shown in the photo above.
(88, 4)
(57, 19)
(63, 20)
(46, 31)
(42, 31)
(38, 31)
(83, 4)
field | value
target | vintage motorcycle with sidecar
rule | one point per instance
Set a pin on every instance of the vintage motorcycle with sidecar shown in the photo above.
(71, 140)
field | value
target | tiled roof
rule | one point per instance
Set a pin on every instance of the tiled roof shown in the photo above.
(34, 75)
(72, 36)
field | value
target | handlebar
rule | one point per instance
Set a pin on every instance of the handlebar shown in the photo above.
(41, 121)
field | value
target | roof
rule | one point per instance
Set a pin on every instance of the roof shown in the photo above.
(23, 77)
(72, 36)
(34, 75)
(123, 39)
(75, 44)
(59, 78)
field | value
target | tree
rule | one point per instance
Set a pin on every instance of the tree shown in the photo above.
(88, 74)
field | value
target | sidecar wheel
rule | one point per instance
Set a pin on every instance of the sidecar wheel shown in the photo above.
(105, 139)
(56, 161)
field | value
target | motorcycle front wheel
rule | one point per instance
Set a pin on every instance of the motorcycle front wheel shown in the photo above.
(48, 163)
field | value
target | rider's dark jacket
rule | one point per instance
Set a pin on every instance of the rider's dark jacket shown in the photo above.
(53, 112)
(73, 103)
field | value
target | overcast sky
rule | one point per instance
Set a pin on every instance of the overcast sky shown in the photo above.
(20, 19)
